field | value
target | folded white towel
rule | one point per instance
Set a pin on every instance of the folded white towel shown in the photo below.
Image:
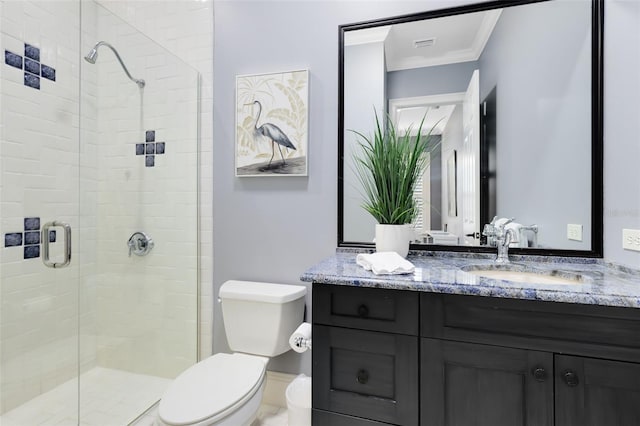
(385, 263)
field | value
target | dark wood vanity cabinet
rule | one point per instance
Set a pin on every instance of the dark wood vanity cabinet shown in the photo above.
(396, 357)
(365, 356)
(472, 384)
(593, 392)
(516, 362)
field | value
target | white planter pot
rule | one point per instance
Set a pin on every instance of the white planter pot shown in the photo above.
(394, 238)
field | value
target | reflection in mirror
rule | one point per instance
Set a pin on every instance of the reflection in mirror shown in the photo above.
(511, 91)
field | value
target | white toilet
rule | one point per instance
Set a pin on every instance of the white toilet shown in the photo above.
(226, 389)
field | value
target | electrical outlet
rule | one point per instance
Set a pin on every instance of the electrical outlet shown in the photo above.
(631, 239)
(574, 232)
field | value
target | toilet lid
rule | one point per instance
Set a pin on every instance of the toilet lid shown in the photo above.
(210, 388)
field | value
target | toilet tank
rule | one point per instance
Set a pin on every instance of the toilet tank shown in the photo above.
(260, 317)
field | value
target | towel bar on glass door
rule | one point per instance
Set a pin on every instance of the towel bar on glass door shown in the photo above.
(45, 244)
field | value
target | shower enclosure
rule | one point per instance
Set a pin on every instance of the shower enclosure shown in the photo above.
(101, 172)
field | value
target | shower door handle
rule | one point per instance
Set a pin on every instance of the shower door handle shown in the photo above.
(45, 244)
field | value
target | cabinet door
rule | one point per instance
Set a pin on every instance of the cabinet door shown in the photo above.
(595, 392)
(465, 384)
(366, 374)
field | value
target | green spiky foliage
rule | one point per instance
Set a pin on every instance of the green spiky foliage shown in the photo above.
(388, 167)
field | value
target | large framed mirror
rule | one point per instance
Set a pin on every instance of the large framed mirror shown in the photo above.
(515, 88)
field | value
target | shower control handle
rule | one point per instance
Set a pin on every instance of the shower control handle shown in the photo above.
(140, 244)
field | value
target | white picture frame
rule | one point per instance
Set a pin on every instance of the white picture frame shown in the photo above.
(272, 124)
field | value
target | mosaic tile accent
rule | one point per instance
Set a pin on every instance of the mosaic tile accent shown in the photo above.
(32, 80)
(31, 223)
(32, 52)
(13, 239)
(12, 59)
(31, 238)
(150, 148)
(31, 65)
(31, 252)
(48, 72)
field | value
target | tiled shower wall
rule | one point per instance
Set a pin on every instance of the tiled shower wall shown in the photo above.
(39, 178)
(146, 307)
(185, 28)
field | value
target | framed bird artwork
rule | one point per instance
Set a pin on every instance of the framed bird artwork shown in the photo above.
(272, 122)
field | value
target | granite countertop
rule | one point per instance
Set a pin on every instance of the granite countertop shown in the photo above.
(598, 283)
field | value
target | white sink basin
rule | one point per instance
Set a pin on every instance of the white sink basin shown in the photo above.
(527, 277)
(522, 273)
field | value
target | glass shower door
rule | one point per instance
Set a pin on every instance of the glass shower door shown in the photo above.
(85, 149)
(138, 186)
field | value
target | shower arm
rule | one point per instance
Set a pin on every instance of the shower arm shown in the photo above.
(139, 82)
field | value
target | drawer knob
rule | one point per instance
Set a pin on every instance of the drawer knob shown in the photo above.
(363, 311)
(539, 374)
(362, 377)
(570, 378)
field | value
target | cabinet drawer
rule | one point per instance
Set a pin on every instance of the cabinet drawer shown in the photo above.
(600, 331)
(325, 418)
(366, 374)
(373, 309)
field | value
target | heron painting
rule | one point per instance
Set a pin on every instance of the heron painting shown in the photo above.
(272, 133)
(271, 124)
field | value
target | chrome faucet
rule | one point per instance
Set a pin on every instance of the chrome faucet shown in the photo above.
(503, 236)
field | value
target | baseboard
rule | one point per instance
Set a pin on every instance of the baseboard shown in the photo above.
(274, 392)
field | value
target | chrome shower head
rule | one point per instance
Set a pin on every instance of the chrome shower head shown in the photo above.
(93, 55)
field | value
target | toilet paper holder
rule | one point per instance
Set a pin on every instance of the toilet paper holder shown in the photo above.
(300, 339)
(302, 342)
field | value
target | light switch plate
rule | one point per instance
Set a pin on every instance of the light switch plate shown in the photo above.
(574, 232)
(631, 239)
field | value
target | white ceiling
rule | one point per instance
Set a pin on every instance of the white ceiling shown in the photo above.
(459, 38)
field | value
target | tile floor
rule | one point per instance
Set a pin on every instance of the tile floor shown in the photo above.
(113, 398)
(271, 415)
(109, 398)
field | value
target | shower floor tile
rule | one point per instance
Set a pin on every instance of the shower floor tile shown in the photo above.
(108, 398)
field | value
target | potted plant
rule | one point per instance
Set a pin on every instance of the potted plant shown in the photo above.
(388, 166)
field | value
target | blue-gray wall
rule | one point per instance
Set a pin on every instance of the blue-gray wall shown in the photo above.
(543, 82)
(621, 127)
(427, 81)
(364, 88)
(273, 229)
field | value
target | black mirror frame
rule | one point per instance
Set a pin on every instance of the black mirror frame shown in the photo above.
(597, 178)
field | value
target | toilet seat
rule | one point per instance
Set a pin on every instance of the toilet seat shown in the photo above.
(212, 389)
